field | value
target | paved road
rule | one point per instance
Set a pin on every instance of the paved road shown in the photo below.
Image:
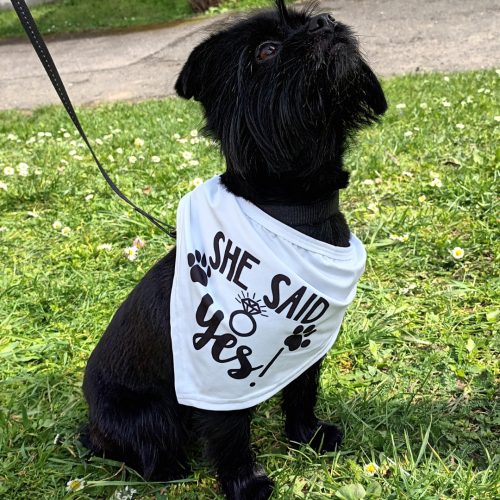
(398, 36)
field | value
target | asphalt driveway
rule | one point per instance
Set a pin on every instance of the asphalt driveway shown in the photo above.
(397, 36)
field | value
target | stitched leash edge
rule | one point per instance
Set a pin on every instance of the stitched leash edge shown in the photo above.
(31, 29)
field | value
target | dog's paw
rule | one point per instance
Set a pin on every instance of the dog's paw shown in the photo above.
(322, 438)
(200, 270)
(253, 486)
(328, 437)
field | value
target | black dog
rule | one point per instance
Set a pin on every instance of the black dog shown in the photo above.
(283, 91)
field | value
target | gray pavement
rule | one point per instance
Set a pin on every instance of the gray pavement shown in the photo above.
(7, 4)
(397, 36)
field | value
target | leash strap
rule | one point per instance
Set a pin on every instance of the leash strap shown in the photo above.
(43, 53)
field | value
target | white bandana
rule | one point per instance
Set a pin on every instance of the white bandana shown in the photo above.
(254, 302)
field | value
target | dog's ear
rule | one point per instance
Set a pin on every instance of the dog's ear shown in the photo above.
(193, 74)
(374, 95)
(189, 80)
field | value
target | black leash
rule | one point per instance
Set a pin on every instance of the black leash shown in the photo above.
(43, 53)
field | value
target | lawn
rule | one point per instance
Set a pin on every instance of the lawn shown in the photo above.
(76, 16)
(413, 378)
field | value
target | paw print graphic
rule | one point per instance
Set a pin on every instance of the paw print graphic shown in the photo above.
(297, 339)
(200, 270)
(293, 342)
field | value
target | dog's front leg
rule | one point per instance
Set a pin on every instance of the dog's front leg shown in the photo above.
(301, 424)
(227, 436)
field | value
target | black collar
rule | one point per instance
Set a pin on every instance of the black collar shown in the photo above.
(312, 214)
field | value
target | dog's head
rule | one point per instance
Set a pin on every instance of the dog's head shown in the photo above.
(282, 91)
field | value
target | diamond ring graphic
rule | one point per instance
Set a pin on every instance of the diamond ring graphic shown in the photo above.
(242, 321)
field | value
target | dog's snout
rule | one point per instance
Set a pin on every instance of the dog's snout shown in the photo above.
(321, 22)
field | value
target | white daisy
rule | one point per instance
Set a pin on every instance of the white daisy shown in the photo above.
(75, 485)
(458, 253)
(130, 253)
(371, 469)
(138, 243)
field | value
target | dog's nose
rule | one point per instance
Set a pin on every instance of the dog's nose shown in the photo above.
(321, 22)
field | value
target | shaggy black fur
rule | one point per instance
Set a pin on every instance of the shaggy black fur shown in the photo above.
(283, 91)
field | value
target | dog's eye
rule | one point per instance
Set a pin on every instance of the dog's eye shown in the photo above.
(267, 50)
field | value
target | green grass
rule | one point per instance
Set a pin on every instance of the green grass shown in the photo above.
(76, 16)
(413, 379)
